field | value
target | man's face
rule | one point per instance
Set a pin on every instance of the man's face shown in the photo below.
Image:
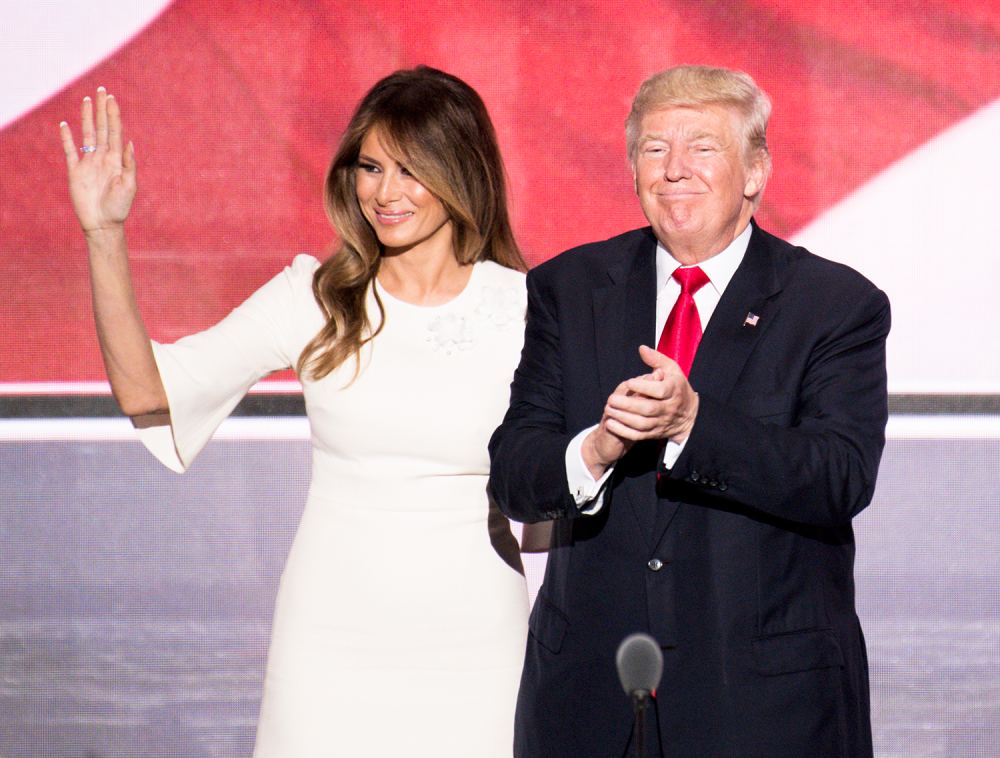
(692, 179)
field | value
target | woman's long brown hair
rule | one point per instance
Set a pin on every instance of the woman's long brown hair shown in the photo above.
(438, 127)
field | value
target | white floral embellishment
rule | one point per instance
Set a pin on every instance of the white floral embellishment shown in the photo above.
(450, 333)
(498, 307)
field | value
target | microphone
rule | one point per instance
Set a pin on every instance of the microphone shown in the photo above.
(640, 667)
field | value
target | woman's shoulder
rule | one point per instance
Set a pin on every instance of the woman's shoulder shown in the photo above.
(288, 293)
(492, 273)
(303, 265)
(298, 275)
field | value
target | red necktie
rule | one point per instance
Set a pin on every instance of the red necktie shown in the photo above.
(682, 332)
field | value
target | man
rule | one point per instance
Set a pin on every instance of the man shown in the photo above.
(703, 491)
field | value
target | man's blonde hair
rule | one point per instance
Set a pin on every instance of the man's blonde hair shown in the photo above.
(693, 86)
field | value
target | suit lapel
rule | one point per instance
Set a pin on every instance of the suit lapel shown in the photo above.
(733, 332)
(729, 339)
(625, 314)
(624, 318)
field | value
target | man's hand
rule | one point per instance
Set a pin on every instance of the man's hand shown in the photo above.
(602, 448)
(660, 405)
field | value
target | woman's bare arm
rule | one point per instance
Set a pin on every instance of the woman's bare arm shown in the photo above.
(102, 184)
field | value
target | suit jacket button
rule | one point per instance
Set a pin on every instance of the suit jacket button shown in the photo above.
(723, 486)
(655, 564)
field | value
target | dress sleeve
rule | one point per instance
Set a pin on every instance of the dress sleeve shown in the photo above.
(205, 375)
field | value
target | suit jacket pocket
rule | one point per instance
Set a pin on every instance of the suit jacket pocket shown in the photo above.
(797, 651)
(547, 624)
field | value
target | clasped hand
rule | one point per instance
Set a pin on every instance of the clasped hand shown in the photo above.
(659, 405)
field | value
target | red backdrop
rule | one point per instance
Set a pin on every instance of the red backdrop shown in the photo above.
(235, 108)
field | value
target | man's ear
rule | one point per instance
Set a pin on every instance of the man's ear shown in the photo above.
(757, 175)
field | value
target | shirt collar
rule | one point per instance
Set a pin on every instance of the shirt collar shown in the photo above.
(719, 269)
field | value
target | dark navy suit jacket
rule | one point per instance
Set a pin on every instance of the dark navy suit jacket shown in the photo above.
(738, 560)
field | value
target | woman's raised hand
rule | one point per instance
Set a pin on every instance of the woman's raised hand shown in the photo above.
(102, 173)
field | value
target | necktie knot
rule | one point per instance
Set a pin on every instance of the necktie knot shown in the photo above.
(691, 279)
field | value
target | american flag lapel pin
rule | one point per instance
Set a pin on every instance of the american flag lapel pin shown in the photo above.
(751, 319)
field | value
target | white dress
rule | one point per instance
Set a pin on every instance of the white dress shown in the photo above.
(399, 629)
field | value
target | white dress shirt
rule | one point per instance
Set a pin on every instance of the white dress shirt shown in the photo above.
(589, 492)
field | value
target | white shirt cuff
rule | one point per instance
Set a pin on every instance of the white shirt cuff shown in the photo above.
(587, 492)
(672, 452)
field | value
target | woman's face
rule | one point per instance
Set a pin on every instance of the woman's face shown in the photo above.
(403, 213)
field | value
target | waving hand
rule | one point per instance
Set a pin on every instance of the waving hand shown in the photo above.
(102, 181)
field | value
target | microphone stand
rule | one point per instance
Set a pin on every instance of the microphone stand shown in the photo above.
(639, 700)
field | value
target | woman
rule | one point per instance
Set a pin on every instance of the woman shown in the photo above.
(401, 616)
